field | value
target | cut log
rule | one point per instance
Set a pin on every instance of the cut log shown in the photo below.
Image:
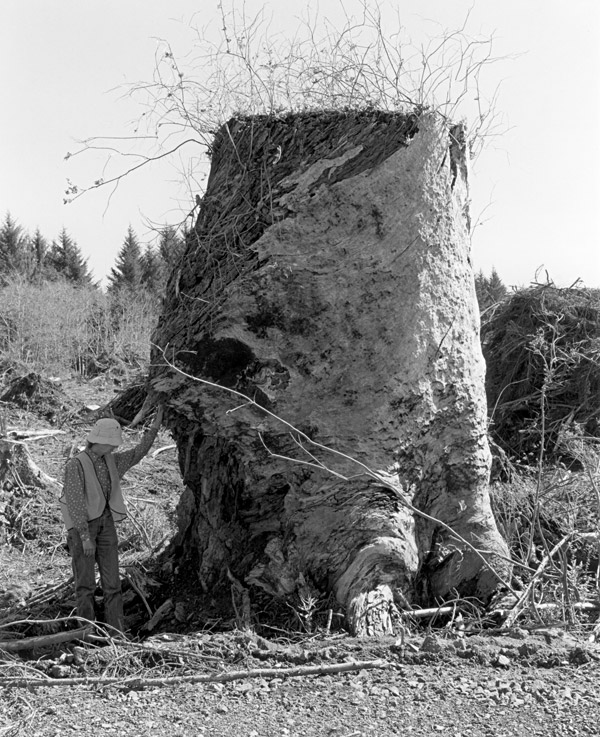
(333, 289)
(31, 643)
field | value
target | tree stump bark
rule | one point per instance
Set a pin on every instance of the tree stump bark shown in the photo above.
(19, 477)
(328, 279)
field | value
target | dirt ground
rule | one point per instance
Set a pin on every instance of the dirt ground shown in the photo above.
(452, 692)
(184, 678)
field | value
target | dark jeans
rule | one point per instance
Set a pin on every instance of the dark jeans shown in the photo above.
(103, 533)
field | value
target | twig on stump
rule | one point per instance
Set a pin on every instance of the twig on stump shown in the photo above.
(161, 450)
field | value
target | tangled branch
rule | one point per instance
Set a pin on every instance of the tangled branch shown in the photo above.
(243, 68)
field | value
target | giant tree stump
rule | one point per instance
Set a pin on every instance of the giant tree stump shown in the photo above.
(328, 279)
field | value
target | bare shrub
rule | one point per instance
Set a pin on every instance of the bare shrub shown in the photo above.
(550, 518)
(55, 327)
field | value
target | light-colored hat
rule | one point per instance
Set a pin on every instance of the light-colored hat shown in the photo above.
(107, 432)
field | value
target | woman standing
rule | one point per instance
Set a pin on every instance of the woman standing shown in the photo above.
(91, 503)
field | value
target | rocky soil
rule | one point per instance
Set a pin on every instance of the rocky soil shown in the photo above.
(536, 684)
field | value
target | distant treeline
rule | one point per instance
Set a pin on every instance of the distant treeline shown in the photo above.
(36, 259)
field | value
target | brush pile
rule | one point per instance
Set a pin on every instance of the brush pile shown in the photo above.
(35, 393)
(542, 348)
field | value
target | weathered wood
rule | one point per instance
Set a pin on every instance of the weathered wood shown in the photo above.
(163, 611)
(17, 467)
(335, 290)
(31, 643)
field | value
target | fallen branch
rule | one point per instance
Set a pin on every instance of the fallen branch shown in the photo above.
(30, 643)
(301, 670)
(33, 434)
(588, 535)
(582, 606)
(422, 613)
(143, 499)
(163, 611)
(587, 606)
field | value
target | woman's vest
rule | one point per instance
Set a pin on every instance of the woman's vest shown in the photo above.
(94, 496)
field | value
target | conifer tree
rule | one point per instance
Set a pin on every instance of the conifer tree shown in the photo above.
(39, 253)
(480, 286)
(13, 247)
(64, 259)
(496, 287)
(126, 274)
(152, 272)
(490, 290)
(170, 247)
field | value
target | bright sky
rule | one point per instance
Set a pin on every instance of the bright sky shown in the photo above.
(66, 66)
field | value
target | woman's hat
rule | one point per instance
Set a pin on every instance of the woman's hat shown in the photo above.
(107, 432)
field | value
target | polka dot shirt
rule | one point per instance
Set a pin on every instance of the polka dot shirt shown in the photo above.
(74, 486)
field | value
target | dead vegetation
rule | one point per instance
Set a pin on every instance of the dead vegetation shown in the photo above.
(542, 349)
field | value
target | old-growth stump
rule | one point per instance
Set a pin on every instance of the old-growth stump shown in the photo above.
(328, 280)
